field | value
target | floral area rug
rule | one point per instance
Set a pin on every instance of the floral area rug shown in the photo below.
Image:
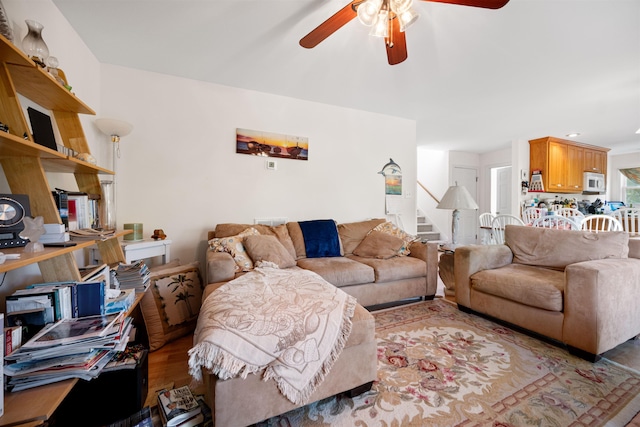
(438, 366)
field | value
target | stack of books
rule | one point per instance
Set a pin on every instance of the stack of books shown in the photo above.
(133, 276)
(69, 348)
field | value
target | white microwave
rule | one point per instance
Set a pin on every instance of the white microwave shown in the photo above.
(593, 183)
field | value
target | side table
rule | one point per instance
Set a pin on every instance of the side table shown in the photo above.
(143, 249)
(445, 268)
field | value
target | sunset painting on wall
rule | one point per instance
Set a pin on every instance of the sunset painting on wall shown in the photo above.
(268, 144)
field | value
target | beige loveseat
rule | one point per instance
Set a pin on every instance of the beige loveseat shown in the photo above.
(370, 280)
(577, 288)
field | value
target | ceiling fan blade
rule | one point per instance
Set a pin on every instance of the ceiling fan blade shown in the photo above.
(396, 44)
(330, 26)
(488, 4)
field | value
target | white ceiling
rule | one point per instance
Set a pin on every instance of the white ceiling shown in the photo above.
(475, 79)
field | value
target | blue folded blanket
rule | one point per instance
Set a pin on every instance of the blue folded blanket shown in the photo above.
(320, 238)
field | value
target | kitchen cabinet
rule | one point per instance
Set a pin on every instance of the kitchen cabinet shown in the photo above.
(564, 162)
(595, 161)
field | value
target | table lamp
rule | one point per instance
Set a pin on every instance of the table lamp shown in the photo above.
(457, 197)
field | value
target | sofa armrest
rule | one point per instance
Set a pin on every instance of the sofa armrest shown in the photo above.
(473, 258)
(220, 267)
(600, 303)
(429, 254)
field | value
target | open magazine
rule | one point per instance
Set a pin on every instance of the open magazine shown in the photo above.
(75, 330)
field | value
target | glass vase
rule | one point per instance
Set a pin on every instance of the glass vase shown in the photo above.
(33, 44)
(107, 206)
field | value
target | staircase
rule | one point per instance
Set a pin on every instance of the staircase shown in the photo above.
(425, 229)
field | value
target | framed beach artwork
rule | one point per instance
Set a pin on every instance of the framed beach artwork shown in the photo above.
(269, 144)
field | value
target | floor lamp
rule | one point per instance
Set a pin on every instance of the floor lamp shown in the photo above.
(457, 197)
(115, 129)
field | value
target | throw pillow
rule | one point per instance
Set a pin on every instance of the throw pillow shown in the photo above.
(171, 304)
(390, 228)
(268, 249)
(379, 245)
(233, 245)
(321, 238)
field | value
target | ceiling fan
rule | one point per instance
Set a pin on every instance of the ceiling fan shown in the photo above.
(388, 19)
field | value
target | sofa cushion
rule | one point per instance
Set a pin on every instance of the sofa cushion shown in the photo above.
(352, 233)
(339, 271)
(392, 229)
(547, 247)
(279, 231)
(234, 246)
(533, 286)
(268, 249)
(379, 245)
(396, 268)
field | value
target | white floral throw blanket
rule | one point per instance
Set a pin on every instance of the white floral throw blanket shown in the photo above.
(291, 324)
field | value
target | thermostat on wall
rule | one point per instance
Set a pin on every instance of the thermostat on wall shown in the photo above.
(271, 165)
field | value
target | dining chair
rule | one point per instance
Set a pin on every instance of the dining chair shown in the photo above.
(597, 223)
(628, 217)
(498, 224)
(556, 221)
(531, 214)
(486, 234)
(572, 213)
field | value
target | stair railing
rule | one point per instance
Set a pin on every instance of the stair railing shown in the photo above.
(428, 192)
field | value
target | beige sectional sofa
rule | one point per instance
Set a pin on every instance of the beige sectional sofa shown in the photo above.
(372, 277)
(370, 280)
(578, 288)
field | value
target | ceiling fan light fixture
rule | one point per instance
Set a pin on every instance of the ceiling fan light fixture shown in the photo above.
(400, 6)
(368, 12)
(407, 18)
(381, 26)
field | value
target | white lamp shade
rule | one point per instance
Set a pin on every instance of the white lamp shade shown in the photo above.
(457, 197)
(381, 27)
(114, 127)
(368, 11)
(407, 18)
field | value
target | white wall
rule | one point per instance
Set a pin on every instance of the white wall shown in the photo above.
(179, 171)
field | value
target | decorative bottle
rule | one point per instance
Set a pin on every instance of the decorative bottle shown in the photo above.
(107, 206)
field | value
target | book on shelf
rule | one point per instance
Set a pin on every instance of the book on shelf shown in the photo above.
(178, 406)
(12, 339)
(133, 276)
(142, 418)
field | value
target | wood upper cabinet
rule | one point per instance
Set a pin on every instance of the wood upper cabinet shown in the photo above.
(563, 163)
(595, 161)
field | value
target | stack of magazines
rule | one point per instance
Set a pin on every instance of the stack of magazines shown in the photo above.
(90, 234)
(70, 348)
(133, 276)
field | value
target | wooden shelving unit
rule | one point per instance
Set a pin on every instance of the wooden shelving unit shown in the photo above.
(25, 164)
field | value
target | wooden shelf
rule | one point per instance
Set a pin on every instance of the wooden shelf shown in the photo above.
(48, 253)
(34, 404)
(52, 161)
(39, 86)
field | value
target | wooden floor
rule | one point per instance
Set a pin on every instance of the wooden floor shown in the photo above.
(169, 363)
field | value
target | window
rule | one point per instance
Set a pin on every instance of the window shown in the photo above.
(630, 191)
